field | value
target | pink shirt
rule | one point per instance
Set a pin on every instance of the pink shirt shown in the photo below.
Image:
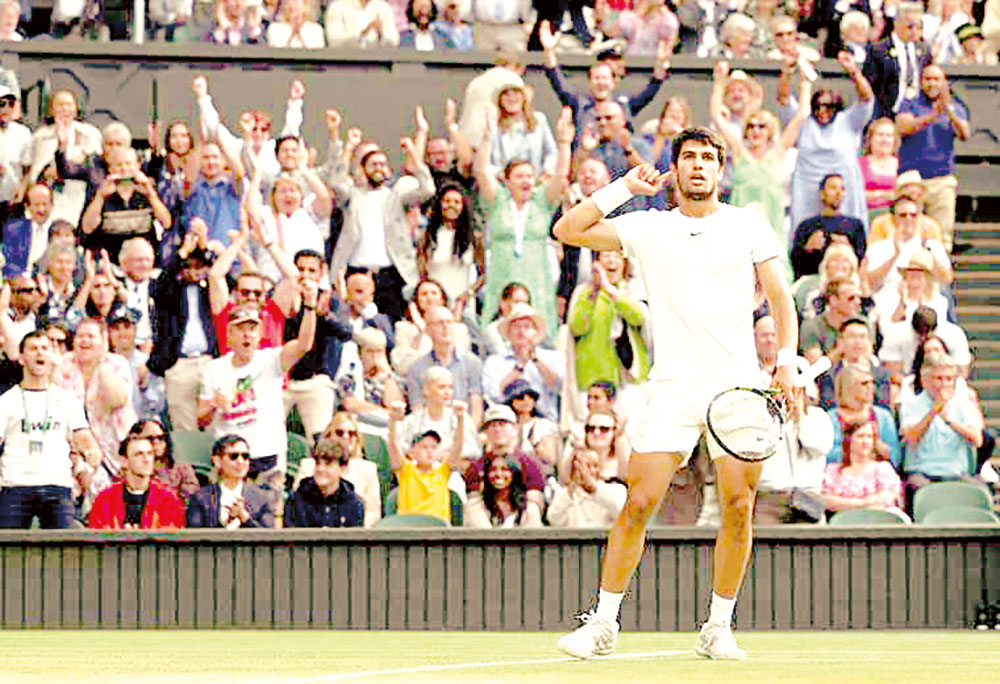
(874, 181)
(109, 427)
(879, 477)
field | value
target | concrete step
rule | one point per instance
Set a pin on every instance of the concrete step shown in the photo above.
(985, 348)
(982, 313)
(982, 243)
(981, 328)
(976, 262)
(991, 409)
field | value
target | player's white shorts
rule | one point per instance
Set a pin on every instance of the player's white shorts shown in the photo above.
(671, 417)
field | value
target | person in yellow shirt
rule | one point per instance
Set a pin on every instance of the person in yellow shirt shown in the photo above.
(424, 470)
(911, 186)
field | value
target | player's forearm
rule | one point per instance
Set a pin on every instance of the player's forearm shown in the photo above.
(572, 228)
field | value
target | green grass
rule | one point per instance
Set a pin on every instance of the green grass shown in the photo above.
(252, 657)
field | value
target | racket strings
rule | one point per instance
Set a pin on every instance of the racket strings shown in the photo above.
(747, 423)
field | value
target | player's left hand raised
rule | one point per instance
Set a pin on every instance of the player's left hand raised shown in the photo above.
(645, 180)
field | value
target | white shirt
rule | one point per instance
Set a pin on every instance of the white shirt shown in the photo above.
(15, 153)
(800, 459)
(880, 251)
(700, 277)
(39, 242)
(227, 498)
(899, 344)
(301, 230)
(40, 455)
(256, 411)
(371, 245)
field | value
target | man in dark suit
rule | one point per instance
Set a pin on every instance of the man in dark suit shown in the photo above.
(182, 352)
(893, 65)
(815, 234)
(232, 502)
(26, 237)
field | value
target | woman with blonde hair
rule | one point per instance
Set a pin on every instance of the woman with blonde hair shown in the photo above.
(295, 26)
(522, 133)
(879, 165)
(758, 152)
(839, 263)
(854, 390)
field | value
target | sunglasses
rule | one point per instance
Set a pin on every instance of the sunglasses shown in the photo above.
(340, 432)
(156, 438)
(62, 341)
(25, 290)
(234, 455)
(598, 428)
(246, 292)
(7, 102)
(826, 105)
(907, 214)
(756, 125)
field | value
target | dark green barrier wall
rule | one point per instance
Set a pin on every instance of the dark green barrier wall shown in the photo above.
(832, 578)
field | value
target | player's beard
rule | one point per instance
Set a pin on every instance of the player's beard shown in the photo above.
(698, 196)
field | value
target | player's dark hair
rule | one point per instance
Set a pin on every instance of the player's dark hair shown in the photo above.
(702, 135)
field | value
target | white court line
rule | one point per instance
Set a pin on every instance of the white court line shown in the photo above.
(468, 666)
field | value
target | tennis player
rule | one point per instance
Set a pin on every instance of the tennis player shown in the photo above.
(700, 263)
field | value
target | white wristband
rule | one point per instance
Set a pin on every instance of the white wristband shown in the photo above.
(786, 357)
(612, 196)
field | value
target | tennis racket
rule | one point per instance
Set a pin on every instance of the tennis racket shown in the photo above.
(746, 422)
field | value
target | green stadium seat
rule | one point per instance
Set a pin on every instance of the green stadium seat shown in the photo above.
(937, 495)
(961, 515)
(298, 448)
(457, 507)
(866, 516)
(376, 450)
(194, 447)
(397, 520)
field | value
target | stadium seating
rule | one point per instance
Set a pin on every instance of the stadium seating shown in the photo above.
(867, 516)
(961, 515)
(398, 520)
(298, 448)
(947, 495)
(457, 508)
(194, 447)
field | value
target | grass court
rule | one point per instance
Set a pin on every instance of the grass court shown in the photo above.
(312, 657)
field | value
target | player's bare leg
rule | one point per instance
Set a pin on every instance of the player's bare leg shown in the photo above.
(649, 476)
(737, 484)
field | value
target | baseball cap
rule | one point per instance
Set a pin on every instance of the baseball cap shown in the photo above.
(499, 412)
(242, 314)
(7, 92)
(426, 433)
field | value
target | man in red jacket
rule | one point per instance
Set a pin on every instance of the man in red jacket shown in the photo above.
(139, 501)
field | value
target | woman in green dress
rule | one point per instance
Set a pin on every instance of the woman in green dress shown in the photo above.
(518, 215)
(758, 152)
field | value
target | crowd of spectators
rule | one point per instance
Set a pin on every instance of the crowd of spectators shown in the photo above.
(433, 339)
(953, 31)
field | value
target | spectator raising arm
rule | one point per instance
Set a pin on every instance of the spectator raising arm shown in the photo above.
(295, 349)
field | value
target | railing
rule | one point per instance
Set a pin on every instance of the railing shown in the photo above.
(801, 577)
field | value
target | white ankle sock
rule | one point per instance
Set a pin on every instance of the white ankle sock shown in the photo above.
(721, 610)
(608, 605)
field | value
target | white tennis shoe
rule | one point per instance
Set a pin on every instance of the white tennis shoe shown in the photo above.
(718, 643)
(595, 636)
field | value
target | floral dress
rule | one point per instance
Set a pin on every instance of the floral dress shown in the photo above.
(879, 477)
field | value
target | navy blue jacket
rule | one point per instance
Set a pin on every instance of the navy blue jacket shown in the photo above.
(170, 318)
(309, 508)
(203, 507)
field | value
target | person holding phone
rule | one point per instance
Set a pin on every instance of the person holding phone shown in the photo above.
(125, 206)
